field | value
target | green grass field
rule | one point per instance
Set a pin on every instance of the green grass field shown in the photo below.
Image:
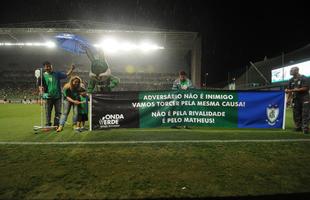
(147, 170)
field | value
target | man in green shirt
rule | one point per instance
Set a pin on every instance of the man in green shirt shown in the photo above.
(182, 83)
(51, 91)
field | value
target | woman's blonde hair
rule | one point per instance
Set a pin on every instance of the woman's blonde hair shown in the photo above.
(70, 83)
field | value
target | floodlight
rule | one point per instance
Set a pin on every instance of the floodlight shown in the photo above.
(50, 44)
(147, 46)
(111, 45)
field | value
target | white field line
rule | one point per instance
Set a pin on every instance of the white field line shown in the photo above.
(154, 142)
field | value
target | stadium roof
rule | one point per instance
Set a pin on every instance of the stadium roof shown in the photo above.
(44, 30)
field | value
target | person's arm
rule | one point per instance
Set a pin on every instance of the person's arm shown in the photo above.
(304, 85)
(289, 93)
(302, 89)
(73, 101)
(114, 81)
(289, 99)
(67, 94)
(175, 85)
(70, 70)
(63, 75)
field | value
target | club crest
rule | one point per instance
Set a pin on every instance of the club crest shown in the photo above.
(272, 112)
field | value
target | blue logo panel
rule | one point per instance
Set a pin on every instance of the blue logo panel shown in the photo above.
(263, 109)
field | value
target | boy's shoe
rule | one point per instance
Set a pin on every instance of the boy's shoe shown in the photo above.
(77, 129)
(59, 129)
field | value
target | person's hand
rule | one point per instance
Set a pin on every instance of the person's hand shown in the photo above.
(76, 102)
(72, 67)
(184, 87)
(288, 90)
(45, 95)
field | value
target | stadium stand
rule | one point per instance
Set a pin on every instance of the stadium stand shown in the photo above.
(16, 85)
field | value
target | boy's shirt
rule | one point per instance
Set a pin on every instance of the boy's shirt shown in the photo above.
(83, 109)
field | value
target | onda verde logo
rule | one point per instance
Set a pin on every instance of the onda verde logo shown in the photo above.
(272, 112)
(110, 120)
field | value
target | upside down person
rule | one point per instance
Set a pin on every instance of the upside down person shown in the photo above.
(101, 79)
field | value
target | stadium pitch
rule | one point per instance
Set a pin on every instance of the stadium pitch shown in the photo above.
(148, 163)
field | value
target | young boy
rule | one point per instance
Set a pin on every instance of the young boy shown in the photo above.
(82, 110)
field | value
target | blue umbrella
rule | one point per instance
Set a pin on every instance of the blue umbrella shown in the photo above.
(72, 43)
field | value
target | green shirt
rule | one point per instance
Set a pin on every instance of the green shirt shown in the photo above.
(73, 94)
(83, 108)
(180, 85)
(52, 84)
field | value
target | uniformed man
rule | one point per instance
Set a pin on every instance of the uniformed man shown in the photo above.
(298, 94)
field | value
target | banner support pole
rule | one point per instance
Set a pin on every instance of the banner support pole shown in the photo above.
(284, 111)
(90, 112)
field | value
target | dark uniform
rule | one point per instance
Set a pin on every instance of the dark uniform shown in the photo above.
(300, 102)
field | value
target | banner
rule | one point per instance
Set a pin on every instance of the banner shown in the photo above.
(225, 109)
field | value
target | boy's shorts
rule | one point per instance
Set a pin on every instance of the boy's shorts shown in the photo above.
(82, 117)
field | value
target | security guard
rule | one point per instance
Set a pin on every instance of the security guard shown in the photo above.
(298, 94)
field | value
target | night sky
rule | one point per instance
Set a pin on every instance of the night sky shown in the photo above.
(234, 32)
